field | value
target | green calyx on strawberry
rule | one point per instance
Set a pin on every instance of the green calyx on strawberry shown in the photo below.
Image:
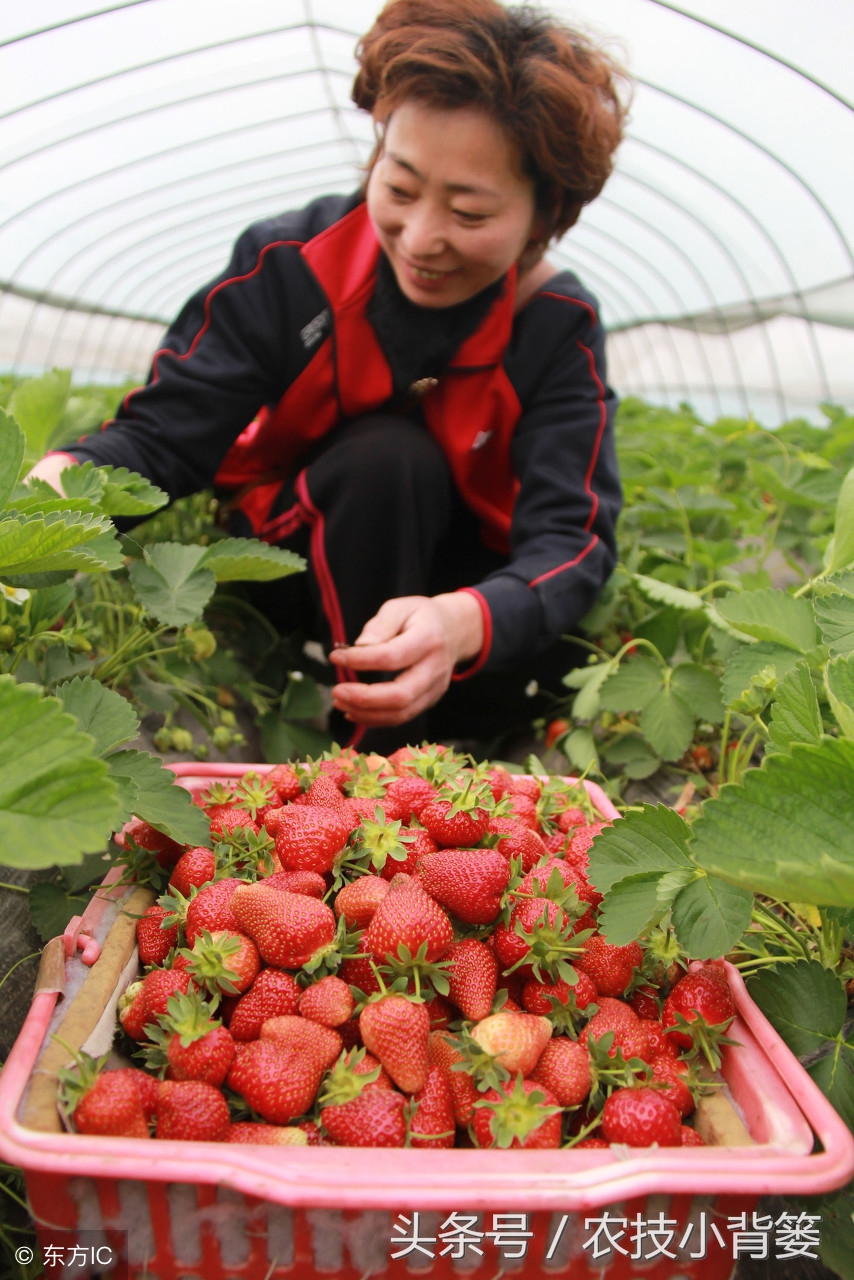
(552, 881)
(327, 959)
(245, 852)
(476, 1062)
(343, 1083)
(428, 976)
(511, 1118)
(459, 816)
(547, 941)
(370, 846)
(367, 783)
(610, 1069)
(253, 793)
(222, 961)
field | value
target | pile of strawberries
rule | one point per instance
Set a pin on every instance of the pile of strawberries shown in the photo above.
(397, 952)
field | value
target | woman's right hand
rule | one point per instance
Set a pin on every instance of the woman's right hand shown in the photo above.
(50, 468)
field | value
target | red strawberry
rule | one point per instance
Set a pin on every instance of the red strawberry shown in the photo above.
(469, 882)
(674, 1078)
(191, 1111)
(358, 901)
(194, 868)
(229, 818)
(285, 781)
(690, 1137)
(409, 795)
(443, 1052)
(133, 1012)
(564, 1068)
(524, 809)
(328, 1002)
(525, 1115)
(272, 993)
(540, 924)
(147, 837)
(630, 1033)
(278, 1080)
(591, 1144)
(289, 928)
(308, 837)
(433, 1125)
(200, 1047)
(271, 1135)
(323, 1044)
(640, 1118)
(373, 1119)
(544, 997)
(210, 909)
(223, 961)
(644, 1001)
(395, 1030)
(356, 971)
(518, 841)
(155, 942)
(570, 818)
(109, 1103)
(610, 967)
(700, 998)
(515, 1040)
(582, 840)
(458, 821)
(522, 784)
(410, 918)
(473, 976)
(325, 792)
(499, 782)
(310, 883)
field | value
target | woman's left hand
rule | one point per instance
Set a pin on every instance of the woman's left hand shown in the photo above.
(420, 637)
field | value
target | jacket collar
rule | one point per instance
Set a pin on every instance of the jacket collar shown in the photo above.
(343, 258)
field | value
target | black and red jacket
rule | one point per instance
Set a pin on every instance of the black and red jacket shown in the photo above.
(281, 341)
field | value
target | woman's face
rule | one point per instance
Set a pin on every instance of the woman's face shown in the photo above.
(450, 205)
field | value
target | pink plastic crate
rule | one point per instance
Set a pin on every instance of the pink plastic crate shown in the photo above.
(209, 1212)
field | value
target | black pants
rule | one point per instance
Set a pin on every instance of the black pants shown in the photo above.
(376, 515)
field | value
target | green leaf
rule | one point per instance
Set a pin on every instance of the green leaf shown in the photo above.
(11, 455)
(39, 404)
(750, 660)
(668, 723)
(579, 747)
(99, 711)
(57, 800)
(836, 1219)
(665, 593)
(788, 831)
(631, 907)
(51, 907)
(771, 615)
(48, 604)
(169, 583)
(283, 740)
(839, 683)
(835, 617)
(806, 1005)
(55, 541)
(301, 699)
(117, 491)
(701, 689)
(90, 871)
(633, 686)
(634, 755)
(840, 550)
(653, 841)
(585, 705)
(795, 716)
(248, 560)
(159, 799)
(709, 916)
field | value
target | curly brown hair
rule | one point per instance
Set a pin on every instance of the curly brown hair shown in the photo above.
(552, 90)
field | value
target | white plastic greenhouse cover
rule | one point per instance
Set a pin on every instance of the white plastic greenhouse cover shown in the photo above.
(139, 138)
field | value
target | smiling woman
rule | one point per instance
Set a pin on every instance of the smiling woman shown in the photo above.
(429, 417)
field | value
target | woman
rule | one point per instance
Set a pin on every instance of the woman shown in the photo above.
(430, 422)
